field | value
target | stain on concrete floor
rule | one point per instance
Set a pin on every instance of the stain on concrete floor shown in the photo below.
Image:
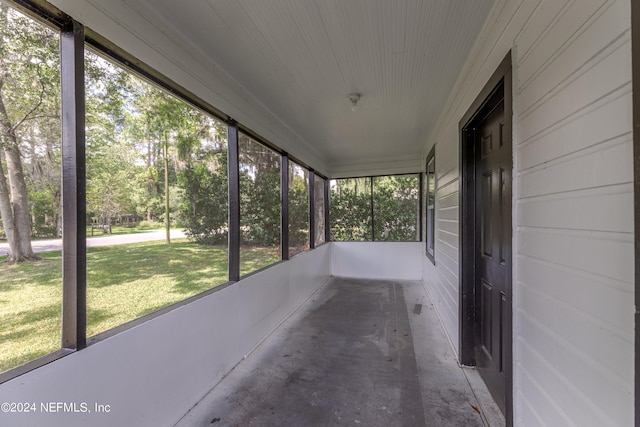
(347, 358)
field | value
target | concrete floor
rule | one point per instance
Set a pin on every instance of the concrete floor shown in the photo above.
(359, 352)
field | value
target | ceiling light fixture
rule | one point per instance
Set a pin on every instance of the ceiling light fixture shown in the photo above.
(354, 98)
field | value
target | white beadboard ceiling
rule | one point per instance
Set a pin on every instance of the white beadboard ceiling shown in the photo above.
(301, 58)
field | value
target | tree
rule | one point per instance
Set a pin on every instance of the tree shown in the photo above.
(260, 207)
(111, 154)
(298, 207)
(204, 207)
(135, 133)
(259, 194)
(350, 209)
(395, 202)
(203, 180)
(394, 205)
(29, 96)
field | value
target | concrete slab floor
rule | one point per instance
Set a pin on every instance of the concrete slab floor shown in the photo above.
(358, 352)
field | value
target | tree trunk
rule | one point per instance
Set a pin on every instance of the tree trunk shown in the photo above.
(6, 213)
(14, 198)
(166, 191)
(149, 178)
(20, 205)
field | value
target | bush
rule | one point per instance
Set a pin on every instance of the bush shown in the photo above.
(395, 208)
(150, 225)
(203, 210)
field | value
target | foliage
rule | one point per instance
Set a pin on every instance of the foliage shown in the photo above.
(43, 212)
(134, 133)
(350, 209)
(149, 225)
(110, 187)
(29, 128)
(395, 202)
(298, 208)
(204, 207)
(319, 211)
(395, 208)
(110, 173)
(129, 123)
(203, 180)
(260, 207)
(259, 194)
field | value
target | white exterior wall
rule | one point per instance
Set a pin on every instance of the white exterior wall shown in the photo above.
(573, 206)
(152, 374)
(376, 260)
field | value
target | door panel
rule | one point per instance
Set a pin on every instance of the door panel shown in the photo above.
(486, 317)
(486, 240)
(493, 245)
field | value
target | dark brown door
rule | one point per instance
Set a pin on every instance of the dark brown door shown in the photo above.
(493, 164)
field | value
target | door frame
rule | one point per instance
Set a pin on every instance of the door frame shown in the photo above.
(467, 308)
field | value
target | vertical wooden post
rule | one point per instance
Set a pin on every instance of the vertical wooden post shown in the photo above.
(233, 176)
(284, 202)
(312, 213)
(74, 231)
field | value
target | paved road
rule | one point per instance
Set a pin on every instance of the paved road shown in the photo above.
(105, 240)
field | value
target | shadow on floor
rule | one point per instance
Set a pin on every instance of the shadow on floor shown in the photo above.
(359, 352)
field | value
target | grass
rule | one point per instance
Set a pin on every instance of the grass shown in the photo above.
(122, 229)
(115, 229)
(124, 282)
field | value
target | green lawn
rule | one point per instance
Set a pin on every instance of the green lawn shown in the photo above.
(123, 283)
(123, 229)
(115, 229)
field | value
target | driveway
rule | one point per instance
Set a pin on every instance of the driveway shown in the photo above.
(102, 240)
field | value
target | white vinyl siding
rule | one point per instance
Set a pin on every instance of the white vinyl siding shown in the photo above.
(573, 206)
